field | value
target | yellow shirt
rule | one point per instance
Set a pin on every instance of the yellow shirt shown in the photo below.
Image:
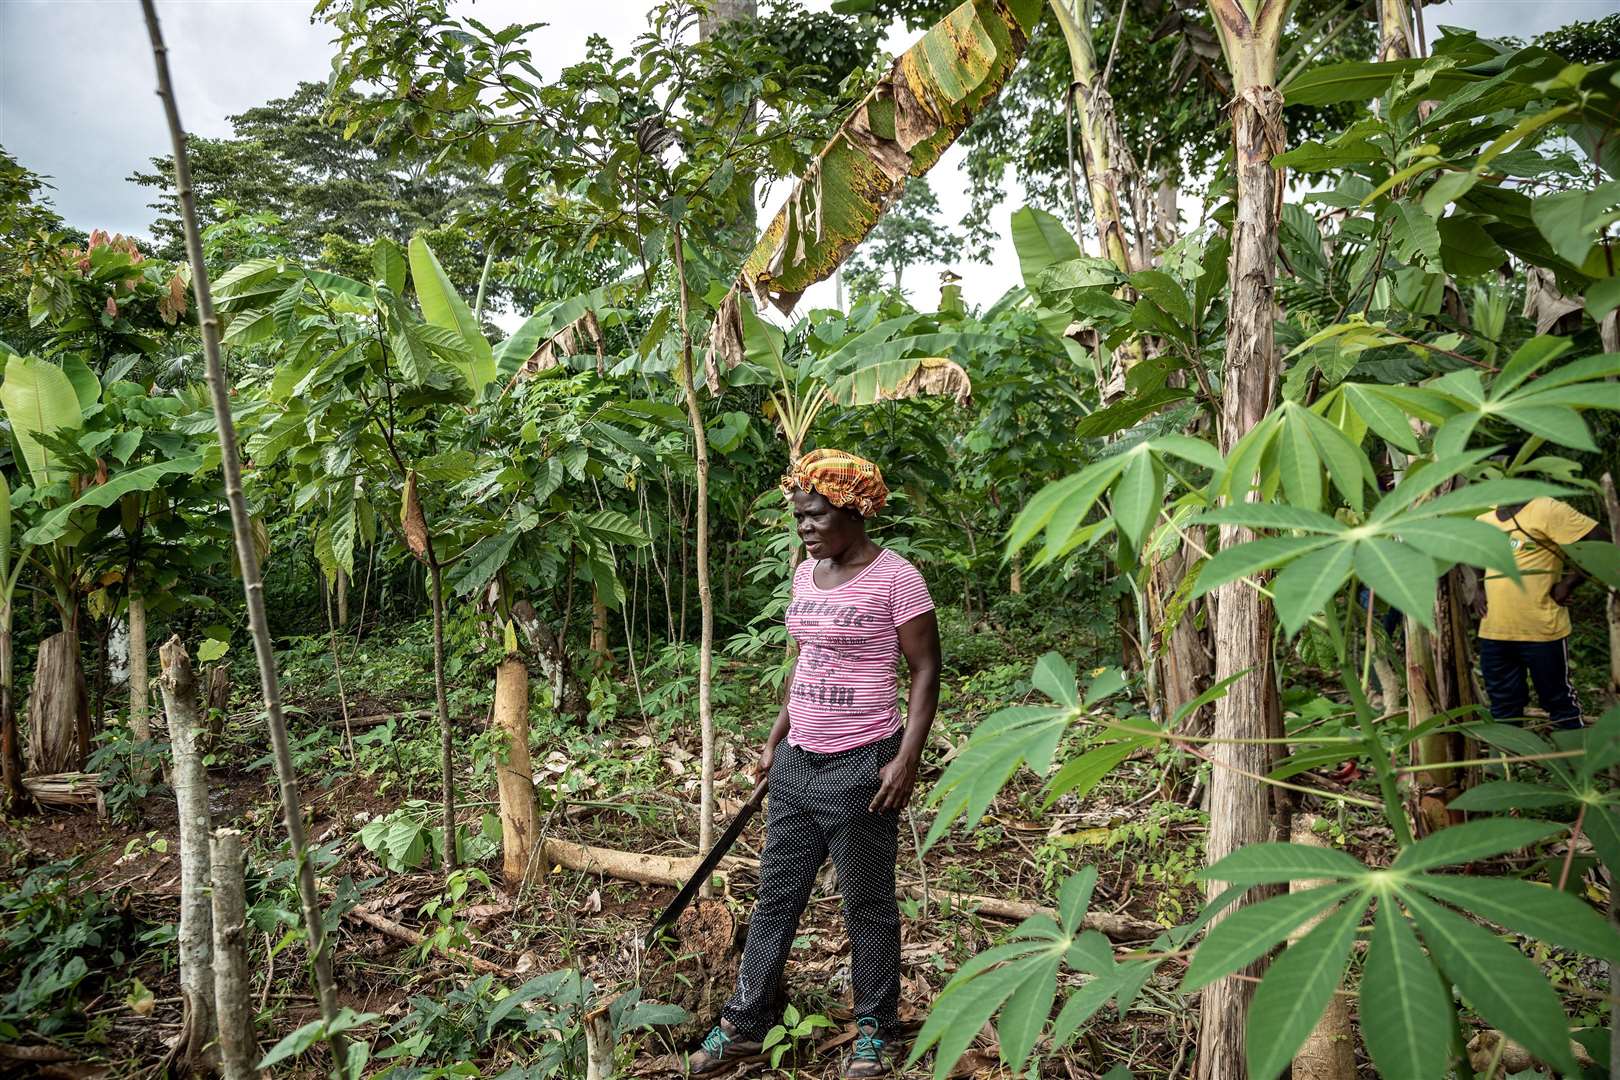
(1527, 611)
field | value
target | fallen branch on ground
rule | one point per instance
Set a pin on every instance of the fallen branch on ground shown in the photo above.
(406, 934)
(668, 870)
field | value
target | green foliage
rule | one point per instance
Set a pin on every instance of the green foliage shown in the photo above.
(781, 1038)
(407, 838)
(57, 938)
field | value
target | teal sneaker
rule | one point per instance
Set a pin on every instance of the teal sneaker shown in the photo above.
(867, 1057)
(721, 1049)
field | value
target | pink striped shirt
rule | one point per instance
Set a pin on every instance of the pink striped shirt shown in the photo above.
(846, 689)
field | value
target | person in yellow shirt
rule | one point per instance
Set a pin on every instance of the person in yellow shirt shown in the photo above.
(1525, 630)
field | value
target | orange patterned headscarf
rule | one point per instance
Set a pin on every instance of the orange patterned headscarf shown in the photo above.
(842, 478)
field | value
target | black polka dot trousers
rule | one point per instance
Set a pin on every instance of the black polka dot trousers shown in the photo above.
(816, 807)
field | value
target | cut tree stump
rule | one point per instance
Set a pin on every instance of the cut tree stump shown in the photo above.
(514, 775)
(1329, 1051)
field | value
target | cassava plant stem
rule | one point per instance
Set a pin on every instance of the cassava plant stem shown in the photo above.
(247, 554)
(700, 444)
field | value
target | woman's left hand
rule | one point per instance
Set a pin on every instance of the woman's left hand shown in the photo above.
(895, 782)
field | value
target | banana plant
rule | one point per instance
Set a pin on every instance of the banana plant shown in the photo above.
(12, 561)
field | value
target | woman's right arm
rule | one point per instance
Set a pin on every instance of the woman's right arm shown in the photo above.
(779, 729)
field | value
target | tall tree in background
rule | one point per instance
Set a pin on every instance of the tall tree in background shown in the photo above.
(1239, 807)
(907, 234)
(333, 189)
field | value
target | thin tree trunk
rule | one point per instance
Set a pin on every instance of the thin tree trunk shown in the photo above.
(178, 685)
(700, 442)
(233, 997)
(514, 775)
(1183, 660)
(342, 599)
(599, 1045)
(601, 657)
(140, 694)
(53, 707)
(1015, 584)
(447, 750)
(1238, 806)
(247, 554)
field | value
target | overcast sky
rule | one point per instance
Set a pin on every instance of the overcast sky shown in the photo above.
(76, 100)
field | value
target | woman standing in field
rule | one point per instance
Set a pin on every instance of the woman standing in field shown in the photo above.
(839, 762)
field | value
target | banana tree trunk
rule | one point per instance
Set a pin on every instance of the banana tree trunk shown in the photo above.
(1105, 161)
(1397, 38)
(58, 714)
(1239, 807)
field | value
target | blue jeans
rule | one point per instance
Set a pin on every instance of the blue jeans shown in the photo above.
(1503, 666)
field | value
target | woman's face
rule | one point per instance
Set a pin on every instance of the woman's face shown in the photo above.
(827, 531)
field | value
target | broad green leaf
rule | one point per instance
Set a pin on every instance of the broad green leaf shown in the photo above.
(1082, 773)
(1497, 980)
(388, 264)
(1081, 1006)
(1485, 495)
(1481, 839)
(482, 561)
(1511, 795)
(39, 399)
(1296, 990)
(1138, 496)
(1305, 586)
(1462, 540)
(1349, 469)
(1075, 897)
(1599, 558)
(5, 536)
(1243, 560)
(613, 527)
(1027, 1009)
(85, 383)
(1270, 515)
(992, 753)
(972, 997)
(1333, 84)
(1400, 574)
(340, 519)
(1040, 240)
(1572, 221)
(294, 1043)
(1298, 465)
(1380, 414)
(443, 306)
(56, 523)
(1275, 864)
(1054, 676)
(1249, 932)
(1540, 911)
(1406, 1010)
(1123, 414)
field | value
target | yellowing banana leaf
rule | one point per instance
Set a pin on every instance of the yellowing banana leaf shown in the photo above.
(894, 380)
(900, 130)
(38, 398)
